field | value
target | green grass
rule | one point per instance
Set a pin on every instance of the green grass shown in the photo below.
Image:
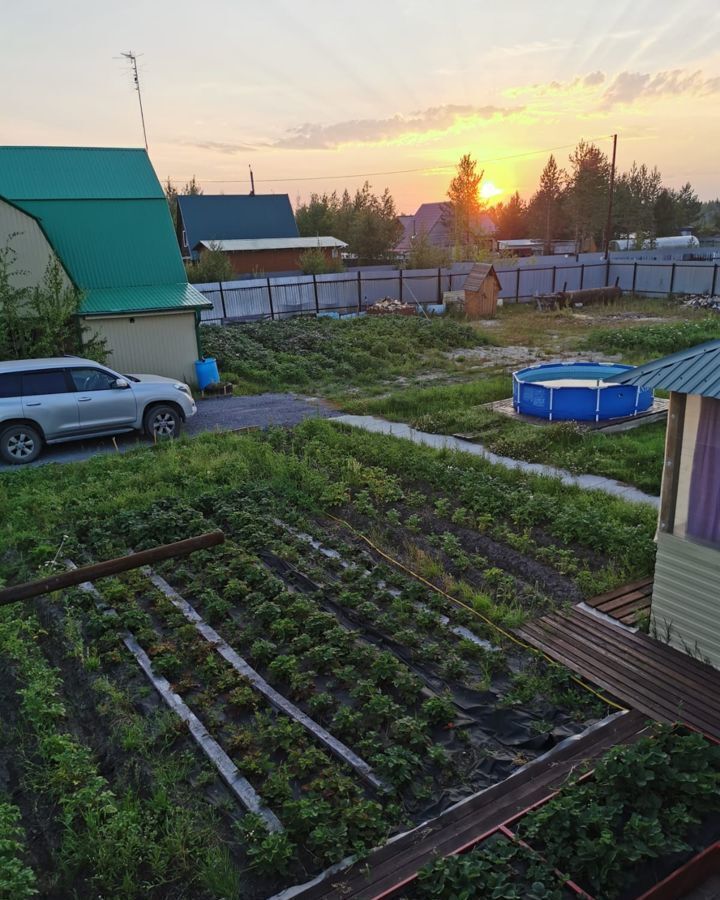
(634, 457)
(645, 342)
(328, 355)
(414, 402)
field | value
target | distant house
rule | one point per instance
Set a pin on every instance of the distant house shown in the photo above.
(203, 218)
(686, 592)
(273, 254)
(103, 215)
(258, 232)
(431, 219)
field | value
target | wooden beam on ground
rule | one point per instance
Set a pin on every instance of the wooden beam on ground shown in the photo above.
(110, 567)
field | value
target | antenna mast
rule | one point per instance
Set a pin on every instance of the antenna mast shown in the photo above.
(132, 59)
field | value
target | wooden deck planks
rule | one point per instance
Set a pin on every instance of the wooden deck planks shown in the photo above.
(628, 603)
(645, 674)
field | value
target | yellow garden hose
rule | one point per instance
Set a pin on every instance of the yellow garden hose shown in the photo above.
(508, 634)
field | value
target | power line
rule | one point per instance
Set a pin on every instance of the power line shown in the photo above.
(389, 172)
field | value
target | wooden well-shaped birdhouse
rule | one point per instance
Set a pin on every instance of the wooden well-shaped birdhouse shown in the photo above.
(481, 291)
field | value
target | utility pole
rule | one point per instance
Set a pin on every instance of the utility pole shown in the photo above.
(252, 182)
(132, 59)
(608, 224)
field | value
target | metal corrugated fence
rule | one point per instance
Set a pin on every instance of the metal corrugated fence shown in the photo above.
(347, 293)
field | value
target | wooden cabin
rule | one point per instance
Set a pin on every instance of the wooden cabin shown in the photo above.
(686, 593)
(481, 291)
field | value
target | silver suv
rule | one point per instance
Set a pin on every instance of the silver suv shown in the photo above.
(47, 401)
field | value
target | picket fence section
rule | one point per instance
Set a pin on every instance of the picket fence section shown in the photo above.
(350, 293)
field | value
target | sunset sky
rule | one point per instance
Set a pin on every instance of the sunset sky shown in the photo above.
(317, 95)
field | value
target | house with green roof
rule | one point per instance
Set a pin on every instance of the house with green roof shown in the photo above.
(102, 213)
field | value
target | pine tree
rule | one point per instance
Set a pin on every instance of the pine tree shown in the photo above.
(545, 208)
(511, 218)
(587, 194)
(465, 205)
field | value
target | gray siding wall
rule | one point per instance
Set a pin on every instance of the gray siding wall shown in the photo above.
(686, 596)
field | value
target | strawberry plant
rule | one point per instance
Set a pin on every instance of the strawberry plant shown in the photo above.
(641, 803)
(498, 868)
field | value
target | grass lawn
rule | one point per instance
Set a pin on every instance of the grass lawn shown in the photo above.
(636, 328)
(634, 457)
(331, 357)
(436, 375)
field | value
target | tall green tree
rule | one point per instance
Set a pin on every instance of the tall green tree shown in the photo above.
(511, 218)
(464, 206)
(665, 214)
(586, 197)
(318, 217)
(546, 215)
(710, 224)
(689, 207)
(636, 193)
(674, 210)
(366, 221)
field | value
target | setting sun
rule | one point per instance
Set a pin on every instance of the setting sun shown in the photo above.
(489, 190)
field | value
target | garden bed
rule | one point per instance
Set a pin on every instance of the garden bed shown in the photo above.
(435, 697)
(616, 832)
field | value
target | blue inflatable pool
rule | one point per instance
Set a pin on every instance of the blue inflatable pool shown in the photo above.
(577, 391)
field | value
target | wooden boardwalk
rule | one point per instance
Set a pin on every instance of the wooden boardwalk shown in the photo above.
(642, 672)
(628, 604)
(389, 866)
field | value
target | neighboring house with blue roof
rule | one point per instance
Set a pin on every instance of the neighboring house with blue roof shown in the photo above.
(232, 217)
(102, 213)
(686, 592)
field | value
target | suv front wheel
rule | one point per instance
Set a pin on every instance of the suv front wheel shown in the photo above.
(19, 444)
(162, 422)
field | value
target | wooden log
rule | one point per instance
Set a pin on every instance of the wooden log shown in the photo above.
(589, 295)
(91, 573)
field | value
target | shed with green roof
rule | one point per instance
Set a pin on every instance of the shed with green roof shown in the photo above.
(102, 213)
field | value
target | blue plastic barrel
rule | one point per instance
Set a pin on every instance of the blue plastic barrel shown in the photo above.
(206, 371)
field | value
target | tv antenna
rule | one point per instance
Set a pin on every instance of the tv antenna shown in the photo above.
(132, 59)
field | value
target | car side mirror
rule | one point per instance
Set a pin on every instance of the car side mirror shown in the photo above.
(121, 383)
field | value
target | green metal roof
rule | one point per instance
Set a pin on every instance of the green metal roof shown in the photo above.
(692, 371)
(156, 298)
(77, 173)
(105, 215)
(111, 243)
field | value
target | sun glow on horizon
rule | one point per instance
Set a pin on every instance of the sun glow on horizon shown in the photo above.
(489, 190)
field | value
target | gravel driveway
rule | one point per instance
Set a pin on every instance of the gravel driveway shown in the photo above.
(217, 414)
